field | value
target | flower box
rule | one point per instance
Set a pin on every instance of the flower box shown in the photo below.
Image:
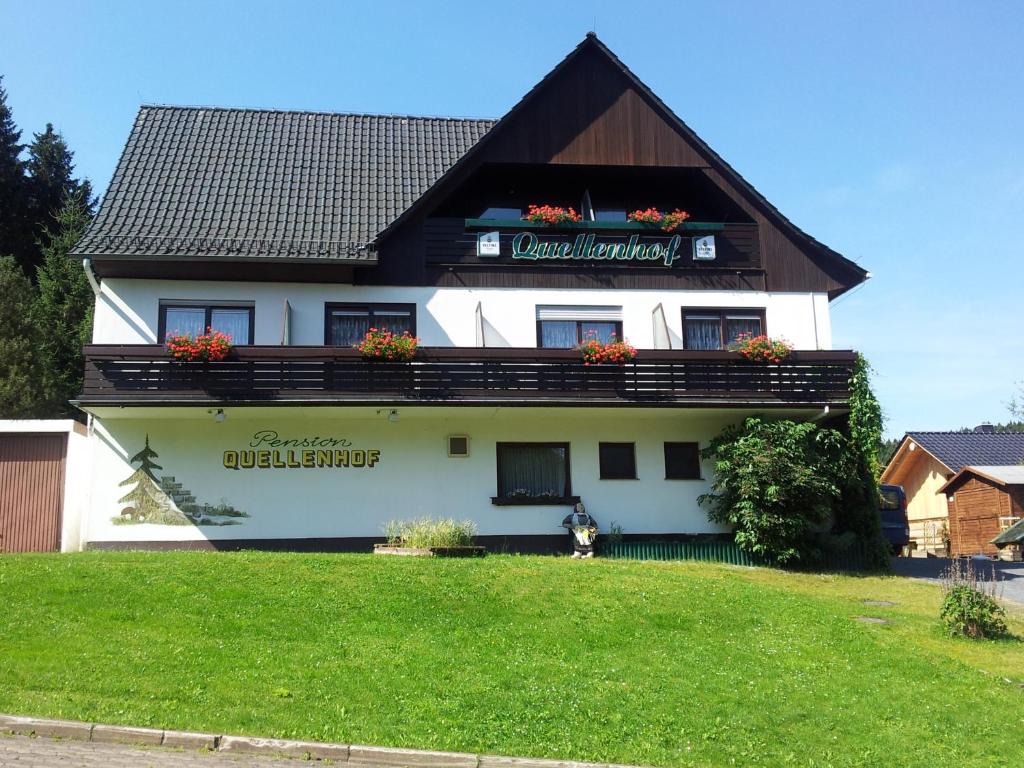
(380, 345)
(210, 347)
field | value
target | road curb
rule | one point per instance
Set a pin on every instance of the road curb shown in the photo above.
(250, 745)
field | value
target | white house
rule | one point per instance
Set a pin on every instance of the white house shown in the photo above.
(297, 232)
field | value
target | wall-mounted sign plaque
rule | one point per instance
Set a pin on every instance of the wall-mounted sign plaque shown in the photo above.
(488, 244)
(704, 248)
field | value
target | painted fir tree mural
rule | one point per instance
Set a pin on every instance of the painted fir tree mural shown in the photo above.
(165, 501)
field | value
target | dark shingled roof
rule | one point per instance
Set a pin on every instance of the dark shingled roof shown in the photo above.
(961, 449)
(250, 183)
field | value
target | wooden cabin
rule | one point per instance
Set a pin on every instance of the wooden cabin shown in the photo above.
(925, 461)
(984, 502)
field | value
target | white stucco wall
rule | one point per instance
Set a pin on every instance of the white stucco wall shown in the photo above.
(127, 310)
(414, 476)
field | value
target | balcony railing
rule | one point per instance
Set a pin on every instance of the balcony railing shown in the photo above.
(134, 375)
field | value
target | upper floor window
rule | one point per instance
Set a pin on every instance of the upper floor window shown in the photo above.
(718, 328)
(506, 213)
(235, 320)
(347, 324)
(565, 327)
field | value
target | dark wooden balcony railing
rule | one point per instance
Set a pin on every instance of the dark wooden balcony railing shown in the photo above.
(447, 375)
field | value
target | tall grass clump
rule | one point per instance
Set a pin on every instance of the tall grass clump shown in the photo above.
(427, 532)
(970, 605)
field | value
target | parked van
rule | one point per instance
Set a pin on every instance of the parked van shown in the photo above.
(893, 512)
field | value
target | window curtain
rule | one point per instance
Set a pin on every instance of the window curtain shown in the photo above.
(734, 326)
(233, 322)
(703, 332)
(558, 334)
(396, 322)
(182, 320)
(348, 327)
(532, 470)
(603, 332)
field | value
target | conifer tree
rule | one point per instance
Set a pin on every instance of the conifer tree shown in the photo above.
(19, 338)
(14, 237)
(51, 184)
(64, 310)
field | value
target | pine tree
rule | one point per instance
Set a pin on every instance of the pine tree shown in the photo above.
(14, 231)
(50, 184)
(19, 339)
(64, 309)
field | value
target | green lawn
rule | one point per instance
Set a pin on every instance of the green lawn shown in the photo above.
(649, 663)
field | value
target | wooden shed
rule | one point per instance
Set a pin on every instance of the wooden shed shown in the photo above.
(983, 503)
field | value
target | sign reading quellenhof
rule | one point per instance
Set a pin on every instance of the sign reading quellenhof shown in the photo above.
(527, 245)
(268, 450)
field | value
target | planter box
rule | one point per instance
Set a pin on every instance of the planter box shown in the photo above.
(391, 549)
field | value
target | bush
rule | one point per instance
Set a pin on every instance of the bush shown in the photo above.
(776, 483)
(969, 605)
(426, 532)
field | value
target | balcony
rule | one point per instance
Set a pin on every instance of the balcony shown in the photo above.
(145, 374)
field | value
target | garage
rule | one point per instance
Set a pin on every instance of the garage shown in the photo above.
(34, 485)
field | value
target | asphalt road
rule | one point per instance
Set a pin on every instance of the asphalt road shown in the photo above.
(1010, 576)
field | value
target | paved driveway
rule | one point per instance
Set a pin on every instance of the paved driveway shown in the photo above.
(26, 752)
(1009, 575)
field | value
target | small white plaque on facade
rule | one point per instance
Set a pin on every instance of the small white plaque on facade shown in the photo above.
(488, 244)
(704, 248)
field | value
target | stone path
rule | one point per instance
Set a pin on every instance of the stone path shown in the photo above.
(43, 752)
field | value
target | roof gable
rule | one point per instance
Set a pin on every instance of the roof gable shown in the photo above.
(592, 110)
(956, 450)
(993, 475)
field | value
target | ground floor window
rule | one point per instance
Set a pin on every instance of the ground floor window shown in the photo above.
(533, 472)
(346, 324)
(718, 328)
(682, 461)
(194, 319)
(617, 460)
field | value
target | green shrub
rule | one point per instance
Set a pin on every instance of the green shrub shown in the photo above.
(426, 532)
(776, 483)
(969, 605)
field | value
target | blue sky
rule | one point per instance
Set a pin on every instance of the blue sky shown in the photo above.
(890, 131)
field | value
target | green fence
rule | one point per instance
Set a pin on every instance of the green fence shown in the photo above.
(852, 559)
(705, 551)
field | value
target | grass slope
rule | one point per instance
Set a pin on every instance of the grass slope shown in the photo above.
(658, 664)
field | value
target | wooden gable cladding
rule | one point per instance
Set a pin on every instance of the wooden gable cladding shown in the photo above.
(590, 113)
(975, 512)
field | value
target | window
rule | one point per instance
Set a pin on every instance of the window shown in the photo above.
(618, 461)
(610, 214)
(347, 324)
(718, 328)
(506, 213)
(232, 319)
(682, 461)
(533, 473)
(565, 327)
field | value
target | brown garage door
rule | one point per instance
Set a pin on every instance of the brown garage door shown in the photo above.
(31, 491)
